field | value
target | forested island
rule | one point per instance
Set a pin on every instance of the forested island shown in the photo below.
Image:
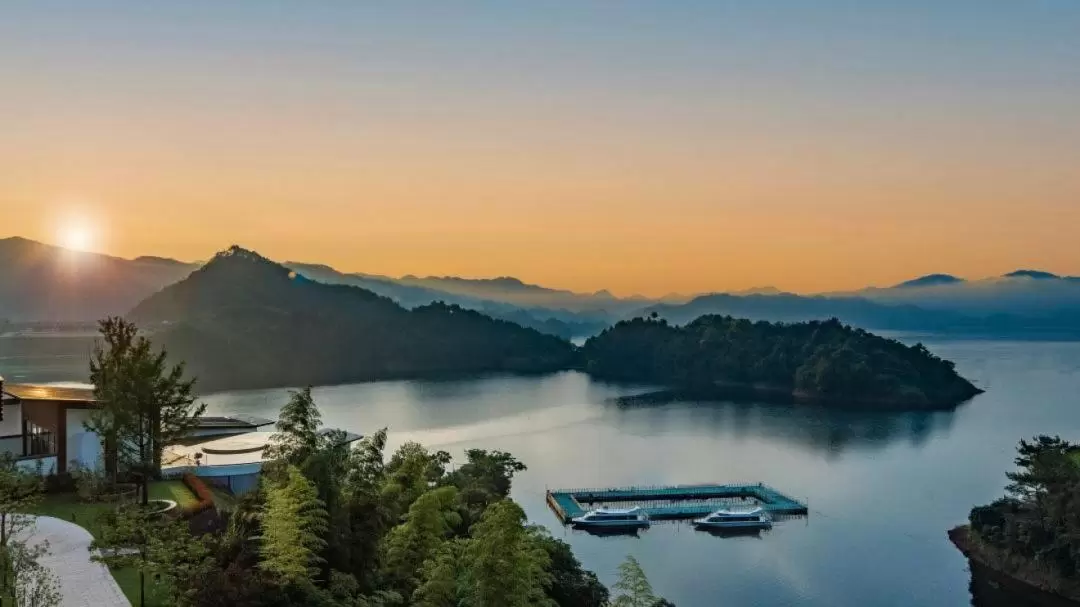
(243, 321)
(826, 361)
(1031, 537)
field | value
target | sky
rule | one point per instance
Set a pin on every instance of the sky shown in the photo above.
(642, 147)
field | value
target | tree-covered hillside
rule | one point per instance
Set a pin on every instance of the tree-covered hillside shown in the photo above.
(825, 361)
(244, 321)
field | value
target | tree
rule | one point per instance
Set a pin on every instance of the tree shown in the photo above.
(297, 436)
(19, 490)
(571, 586)
(362, 519)
(411, 471)
(430, 521)
(504, 564)
(441, 577)
(123, 540)
(179, 560)
(145, 404)
(1044, 464)
(633, 587)
(35, 586)
(484, 479)
(293, 524)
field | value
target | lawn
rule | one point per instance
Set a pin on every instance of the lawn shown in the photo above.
(67, 506)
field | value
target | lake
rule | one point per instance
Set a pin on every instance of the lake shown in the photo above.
(882, 488)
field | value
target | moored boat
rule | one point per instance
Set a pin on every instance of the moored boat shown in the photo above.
(612, 518)
(735, 519)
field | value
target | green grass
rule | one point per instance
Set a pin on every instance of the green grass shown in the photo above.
(176, 491)
(68, 507)
(223, 500)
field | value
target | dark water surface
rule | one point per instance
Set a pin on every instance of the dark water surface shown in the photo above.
(882, 488)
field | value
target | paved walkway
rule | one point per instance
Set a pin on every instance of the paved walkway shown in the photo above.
(82, 582)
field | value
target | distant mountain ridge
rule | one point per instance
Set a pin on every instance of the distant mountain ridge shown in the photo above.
(42, 282)
(930, 280)
(555, 321)
(243, 321)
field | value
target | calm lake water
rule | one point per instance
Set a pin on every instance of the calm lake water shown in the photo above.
(882, 488)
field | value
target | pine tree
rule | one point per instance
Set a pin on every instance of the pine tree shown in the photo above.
(297, 436)
(145, 404)
(293, 525)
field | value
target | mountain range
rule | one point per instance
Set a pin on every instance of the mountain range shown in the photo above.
(44, 283)
(243, 321)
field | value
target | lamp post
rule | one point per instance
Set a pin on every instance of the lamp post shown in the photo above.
(1, 398)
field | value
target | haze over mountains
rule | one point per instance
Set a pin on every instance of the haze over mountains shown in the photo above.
(243, 321)
(40, 282)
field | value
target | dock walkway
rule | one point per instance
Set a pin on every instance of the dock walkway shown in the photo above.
(672, 502)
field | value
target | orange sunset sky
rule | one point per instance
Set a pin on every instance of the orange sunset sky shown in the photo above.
(578, 145)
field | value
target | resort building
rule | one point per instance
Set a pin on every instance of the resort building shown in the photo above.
(43, 429)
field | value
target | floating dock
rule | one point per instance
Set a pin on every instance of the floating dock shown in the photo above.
(673, 502)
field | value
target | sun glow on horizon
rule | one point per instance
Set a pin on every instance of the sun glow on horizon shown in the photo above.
(77, 234)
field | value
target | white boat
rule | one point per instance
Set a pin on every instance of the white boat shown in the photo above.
(736, 519)
(612, 518)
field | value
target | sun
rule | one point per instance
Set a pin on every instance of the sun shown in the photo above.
(77, 235)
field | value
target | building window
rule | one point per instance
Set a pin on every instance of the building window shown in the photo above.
(38, 440)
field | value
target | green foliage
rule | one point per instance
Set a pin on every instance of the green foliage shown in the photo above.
(244, 321)
(35, 585)
(123, 541)
(429, 522)
(821, 360)
(335, 526)
(504, 565)
(90, 483)
(293, 525)
(571, 585)
(297, 436)
(363, 518)
(145, 403)
(1040, 519)
(633, 586)
(179, 560)
(442, 578)
(20, 490)
(411, 471)
(484, 479)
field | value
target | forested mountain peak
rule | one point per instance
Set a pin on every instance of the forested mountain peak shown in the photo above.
(243, 320)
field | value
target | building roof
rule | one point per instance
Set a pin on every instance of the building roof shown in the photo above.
(231, 450)
(232, 420)
(77, 393)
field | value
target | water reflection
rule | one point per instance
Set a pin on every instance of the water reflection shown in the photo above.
(990, 589)
(830, 431)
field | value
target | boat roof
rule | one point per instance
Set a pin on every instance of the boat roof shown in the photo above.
(232, 420)
(615, 510)
(739, 511)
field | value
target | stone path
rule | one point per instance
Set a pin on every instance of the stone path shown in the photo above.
(82, 582)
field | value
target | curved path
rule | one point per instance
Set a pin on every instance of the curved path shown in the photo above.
(83, 582)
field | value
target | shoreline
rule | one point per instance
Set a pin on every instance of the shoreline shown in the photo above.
(1013, 575)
